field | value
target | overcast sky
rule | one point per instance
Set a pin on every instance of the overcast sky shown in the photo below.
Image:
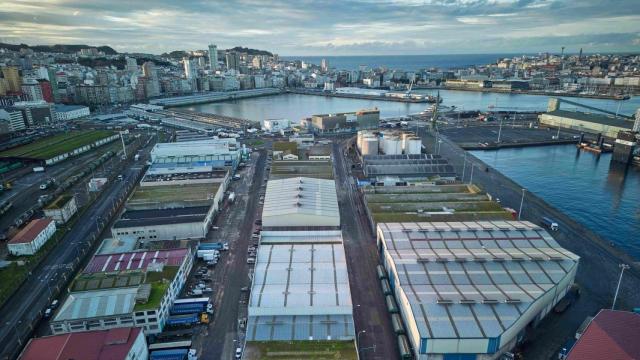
(337, 27)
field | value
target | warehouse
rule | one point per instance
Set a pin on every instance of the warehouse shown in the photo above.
(30, 239)
(225, 151)
(472, 288)
(406, 167)
(301, 288)
(124, 289)
(607, 125)
(301, 203)
(163, 224)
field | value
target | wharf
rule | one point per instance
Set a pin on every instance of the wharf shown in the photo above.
(189, 116)
(529, 92)
(426, 99)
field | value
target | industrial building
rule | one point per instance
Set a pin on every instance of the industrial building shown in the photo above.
(301, 288)
(31, 238)
(219, 152)
(471, 289)
(174, 201)
(610, 335)
(394, 168)
(127, 343)
(447, 202)
(301, 203)
(124, 289)
(343, 122)
(388, 142)
(276, 125)
(597, 121)
(70, 112)
(61, 209)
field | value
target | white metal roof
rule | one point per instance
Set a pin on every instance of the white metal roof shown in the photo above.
(90, 304)
(301, 237)
(473, 279)
(300, 279)
(301, 201)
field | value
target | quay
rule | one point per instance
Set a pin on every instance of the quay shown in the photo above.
(525, 92)
(415, 100)
(598, 271)
(213, 96)
(199, 121)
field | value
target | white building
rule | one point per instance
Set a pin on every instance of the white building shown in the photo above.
(471, 289)
(300, 288)
(217, 150)
(301, 203)
(71, 112)
(127, 289)
(13, 118)
(62, 209)
(32, 237)
(275, 125)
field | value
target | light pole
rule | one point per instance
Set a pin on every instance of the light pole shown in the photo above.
(623, 267)
(471, 177)
(521, 203)
(500, 131)
(464, 165)
(439, 142)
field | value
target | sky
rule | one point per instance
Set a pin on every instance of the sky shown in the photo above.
(331, 27)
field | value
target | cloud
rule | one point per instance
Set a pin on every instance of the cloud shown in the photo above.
(305, 27)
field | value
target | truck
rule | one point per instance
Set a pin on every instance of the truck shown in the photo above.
(181, 309)
(214, 246)
(38, 169)
(552, 225)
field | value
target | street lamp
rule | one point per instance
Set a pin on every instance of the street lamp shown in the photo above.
(521, 203)
(622, 267)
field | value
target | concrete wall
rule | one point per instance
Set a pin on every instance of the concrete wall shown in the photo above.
(580, 125)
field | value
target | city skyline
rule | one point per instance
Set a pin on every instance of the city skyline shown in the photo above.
(352, 27)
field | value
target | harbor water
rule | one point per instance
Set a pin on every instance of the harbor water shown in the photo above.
(581, 184)
(295, 107)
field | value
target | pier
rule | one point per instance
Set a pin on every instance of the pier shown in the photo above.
(424, 99)
(209, 97)
(199, 121)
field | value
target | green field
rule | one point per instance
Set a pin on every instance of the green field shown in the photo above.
(300, 349)
(53, 146)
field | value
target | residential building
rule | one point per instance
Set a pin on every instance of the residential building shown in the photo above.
(232, 60)
(127, 343)
(213, 57)
(31, 88)
(13, 118)
(275, 125)
(12, 75)
(31, 238)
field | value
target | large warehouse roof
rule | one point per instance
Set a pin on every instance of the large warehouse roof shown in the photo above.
(472, 279)
(89, 304)
(301, 202)
(300, 289)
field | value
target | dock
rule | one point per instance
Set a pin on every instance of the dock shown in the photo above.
(422, 100)
(213, 96)
(199, 121)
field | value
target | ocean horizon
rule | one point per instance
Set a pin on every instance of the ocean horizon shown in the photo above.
(404, 62)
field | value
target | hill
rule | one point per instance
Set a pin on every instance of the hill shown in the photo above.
(250, 51)
(59, 48)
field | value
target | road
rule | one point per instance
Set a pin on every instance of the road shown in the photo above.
(372, 321)
(23, 311)
(598, 270)
(232, 274)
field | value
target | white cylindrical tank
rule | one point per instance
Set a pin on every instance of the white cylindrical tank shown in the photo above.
(413, 145)
(392, 145)
(369, 146)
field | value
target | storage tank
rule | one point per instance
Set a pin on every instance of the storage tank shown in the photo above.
(413, 145)
(369, 146)
(392, 145)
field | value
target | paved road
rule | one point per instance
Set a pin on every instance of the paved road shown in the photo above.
(598, 269)
(233, 274)
(372, 321)
(22, 312)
